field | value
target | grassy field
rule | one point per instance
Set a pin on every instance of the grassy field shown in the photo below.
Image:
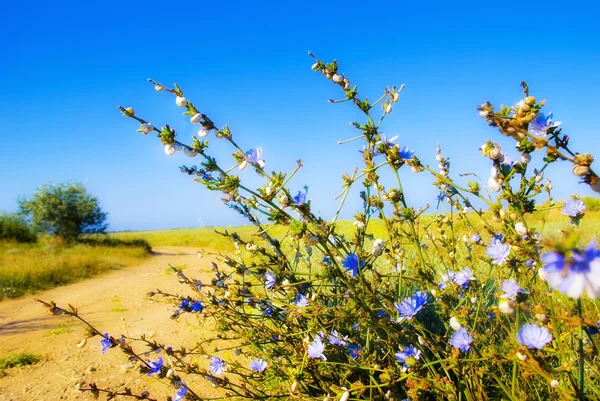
(26, 268)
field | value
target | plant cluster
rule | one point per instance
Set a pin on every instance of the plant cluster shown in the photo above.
(466, 303)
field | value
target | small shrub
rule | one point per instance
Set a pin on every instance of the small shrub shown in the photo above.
(15, 228)
(592, 204)
(17, 360)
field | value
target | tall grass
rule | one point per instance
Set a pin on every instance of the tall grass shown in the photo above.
(26, 268)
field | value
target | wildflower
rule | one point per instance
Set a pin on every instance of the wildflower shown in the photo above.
(409, 307)
(316, 348)
(454, 323)
(299, 199)
(217, 366)
(498, 251)
(255, 156)
(533, 336)
(269, 280)
(354, 350)
(185, 304)
(301, 300)
(573, 208)
(155, 367)
(476, 238)
(506, 307)
(258, 365)
(580, 273)
(336, 338)
(406, 153)
(196, 307)
(351, 263)
(521, 229)
(541, 124)
(407, 355)
(461, 339)
(462, 277)
(106, 343)
(181, 392)
(511, 289)
(529, 263)
(384, 140)
(593, 330)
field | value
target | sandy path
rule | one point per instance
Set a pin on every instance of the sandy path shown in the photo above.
(103, 300)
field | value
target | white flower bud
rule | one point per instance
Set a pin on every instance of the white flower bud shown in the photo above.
(313, 297)
(444, 172)
(338, 78)
(177, 147)
(388, 109)
(542, 273)
(441, 167)
(200, 255)
(268, 190)
(82, 343)
(494, 172)
(243, 164)
(227, 294)
(196, 118)
(158, 88)
(283, 199)
(359, 224)
(521, 229)
(549, 184)
(537, 237)
(525, 158)
(434, 292)
(554, 383)
(493, 184)
(189, 152)
(395, 97)
(440, 157)
(496, 154)
(181, 101)
(484, 113)
(294, 387)
(345, 396)
(146, 128)
(421, 340)
(376, 251)
(203, 133)
(170, 373)
(378, 242)
(454, 323)
(522, 356)
(347, 85)
(541, 317)
(315, 66)
(169, 150)
(473, 300)
(539, 176)
(506, 308)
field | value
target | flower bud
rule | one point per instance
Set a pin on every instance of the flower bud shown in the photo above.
(189, 152)
(268, 190)
(338, 78)
(395, 97)
(388, 108)
(359, 225)
(494, 185)
(473, 300)
(522, 356)
(181, 101)
(146, 128)
(440, 158)
(484, 113)
(177, 147)
(376, 251)
(521, 229)
(539, 176)
(496, 154)
(554, 383)
(294, 387)
(580, 171)
(82, 343)
(169, 150)
(159, 88)
(454, 323)
(542, 273)
(378, 242)
(542, 318)
(506, 308)
(129, 112)
(170, 373)
(243, 164)
(494, 172)
(529, 101)
(196, 118)
(347, 86)
(345, 396)
(525, 158)
(283, 199)
(315, 67)
(434, 292)
(203, 133)
(421, 340)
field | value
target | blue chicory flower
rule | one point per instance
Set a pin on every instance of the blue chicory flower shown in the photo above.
(351, 263)
(301, 300)
(511, 289)
(336, 338)
(269, 280)
(409, 307)
(573, 208)
(593, 330)
(580, 273)
(354, 350)
(529, 263)
(475, 238)
(498, 251)
(409, 352)
(406, 153)
(155, 367)
(255, 156)
(541, 124)
(300, 199)
(258, 365)
(181, 392)
(217, 366)
(196, 307)
(446, 278)
(533, 336)
(106, 343)
(462, 277)
(185, 304)
(316, 348)
(461, 339)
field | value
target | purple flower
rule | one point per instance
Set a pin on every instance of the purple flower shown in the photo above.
(316, 348)
(354, 350)
(181, 392)
(301, 300)
(461, 339)
(446, 278)
(255, 156)
(300, 199)
(511, 289)
(578, 274)
(106, 343)
(258, 365)
(498, 251)
(406, 153)
(196, 307)
(269, 280)
(383, 139)
(351, 263)
(541, 124)
(185, 304)
(593, 330)
(476, 238)
(573, 208)
(533, 336)
(462, 277)
(155, 367)
(409, 307)
(409, 352)
(217, 366)
(336, 338)
(529, 263)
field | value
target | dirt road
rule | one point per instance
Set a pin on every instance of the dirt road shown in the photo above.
(108, 301)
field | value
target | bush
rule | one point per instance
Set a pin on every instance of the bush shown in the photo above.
(592, 204)
(454, 306)
(66, 210)
(14, 228)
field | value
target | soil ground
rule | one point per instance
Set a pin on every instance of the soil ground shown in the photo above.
(108, 302)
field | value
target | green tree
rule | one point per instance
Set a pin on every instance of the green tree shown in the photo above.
(64, 209)
(14, 228)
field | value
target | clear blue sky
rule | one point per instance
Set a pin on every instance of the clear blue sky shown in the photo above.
(66, 66)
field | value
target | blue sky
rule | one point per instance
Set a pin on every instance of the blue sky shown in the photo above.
(66, 66)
